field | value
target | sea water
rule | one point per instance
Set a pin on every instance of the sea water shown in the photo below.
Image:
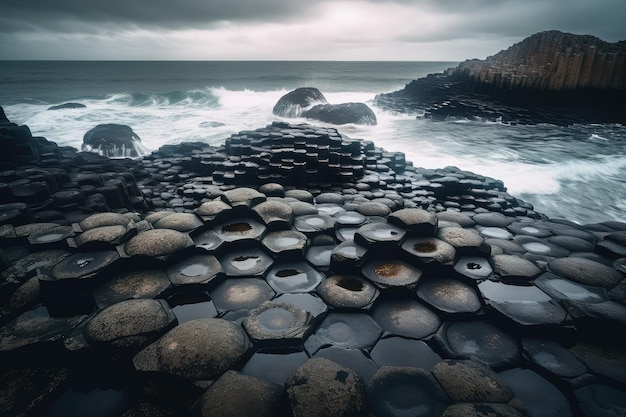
(575, 172)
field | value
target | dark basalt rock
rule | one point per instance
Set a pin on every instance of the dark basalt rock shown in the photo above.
(482, 409)
(321, 388)
(429, 251)
(403, 352)
(293, 277)
(390, 273)
(585, 272)
(449, 296)
(553, 357)
(127, 285)
(274, 366)
(348, 330)
(285, 243)
(196, 269)
(345, 291)
(241, 294)
(407, 318)
(113, 141)
(67, 106)
(601, 400)
(341, 114)
(158, 243)
(296, 102)
(469, 381)
(278, 323)
(514, 268)
(354, 359)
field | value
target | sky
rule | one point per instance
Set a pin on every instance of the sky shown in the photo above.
(370, 30)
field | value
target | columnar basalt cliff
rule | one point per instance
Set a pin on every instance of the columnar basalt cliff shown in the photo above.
(551, 77)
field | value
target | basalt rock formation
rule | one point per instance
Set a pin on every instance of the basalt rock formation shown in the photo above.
(114, 141)
(551, 76)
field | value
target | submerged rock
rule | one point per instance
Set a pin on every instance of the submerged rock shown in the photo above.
(341, 114)
(114, 141)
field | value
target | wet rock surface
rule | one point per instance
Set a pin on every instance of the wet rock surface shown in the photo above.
(294, 242)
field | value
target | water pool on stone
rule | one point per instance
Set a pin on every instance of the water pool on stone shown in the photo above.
(497, 291)
(191, 306)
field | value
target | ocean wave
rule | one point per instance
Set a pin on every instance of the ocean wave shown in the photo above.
(172, 98)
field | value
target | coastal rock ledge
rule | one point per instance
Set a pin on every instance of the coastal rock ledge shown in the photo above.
(296, 272)
(551, 77)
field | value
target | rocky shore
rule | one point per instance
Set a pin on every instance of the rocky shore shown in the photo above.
(294, 271)
(549, 77)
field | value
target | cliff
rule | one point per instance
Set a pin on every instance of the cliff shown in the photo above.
(553, 61)
(549, 77)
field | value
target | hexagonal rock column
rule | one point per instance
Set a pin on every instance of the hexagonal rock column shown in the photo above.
(158, 244)
(130, 324)
(201, 349)
(237, 395)
(322, 388)
(281, 324)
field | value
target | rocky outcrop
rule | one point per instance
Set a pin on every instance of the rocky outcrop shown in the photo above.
(310, 103)
(114, 141)
(67, 106)
(551, 77)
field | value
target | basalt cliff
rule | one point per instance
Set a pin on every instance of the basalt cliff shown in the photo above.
(551, 76)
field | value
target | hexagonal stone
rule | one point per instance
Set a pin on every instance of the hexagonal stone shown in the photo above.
(237, 395)
(272, 189)
(274, 366)
(314, 223)
(585, 272)
(529, 229)
(285, 243)
(600, 400)
(462, 219)
(492, 219)
(243, 197)
(479, 340)
(301, 208)
(207, 241)
(449, 296)
(148, 283)
(540, 397)
(192, 305)
(26, 266)
(349, 330)
(182, 222)
(309, 302)
(572, 244)
(101, 237)
(196, 269)
(469, 381)
(509, 247)
(251, 262)
(158, 243)
(430, 250)
(373, 209)
(349, 219)
(417, 222)
(465, 241)
(278, 324)
(321, 388)
(275, 215)
(512, 267)
(354, 359)
(540, 247)
(395, 391)
(200, 349)
(50, 237)
(130, 324)
(293, 277)
(375, 234)
(562, 289)
(406, 317)
(553, 357)
(239, 229)
(346, 257)
(495, 233)
(387, 273)
(604, 359)
(301, 195)
(398, 351)
(241, 294)
(346, 291)
(24, 390)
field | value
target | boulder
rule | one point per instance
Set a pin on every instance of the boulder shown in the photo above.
(296, 102)
(113, 141)
(341, 114)
(67, 106)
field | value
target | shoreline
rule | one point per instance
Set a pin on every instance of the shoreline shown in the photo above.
(283, 235)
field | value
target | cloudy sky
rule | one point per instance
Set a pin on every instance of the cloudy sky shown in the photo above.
(450, 30)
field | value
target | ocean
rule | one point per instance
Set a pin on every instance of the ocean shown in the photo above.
(574, 172)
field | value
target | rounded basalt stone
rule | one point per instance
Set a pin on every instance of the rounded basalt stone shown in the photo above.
(104, 219)
(274, 214)
(345, 291)
(354, 359)
(208, 241)
(482, 410)
(540, 247)
(430, 250)
(293, 277)
(469, 381)
(512, 267)
(182, 222)
(285, 242)
(278, 323)
(495, 233)
(196, 269)
(572, 244)
(301, 195)
(201, 349)
(144, 283)
(348, 330)
(449, 296)
(401, 351)
(529, 229)
(346, 257)
(243, 197)
(462, 219)
(329, 198)
(26, 266)
(104, 236)
(211, 210)
(553, 357)
(473, 267)
(130, 324)
(406, 317)
(507, 246)
(600, 400)
(83, 265)
(417, 222)
(322, 388)
(563, 289)
(50, 236)
(388, 273)
(239, 229)
(349, 219)
(585, 272)
(302, 208)
(157, 243)
(465, 241)
(492, 219)
(608, 360)
(272, 189)
(373, 209)
(241, 294)
(237, 395)
(479, 340)
(314, 223)
(395, 391)
(611, 249)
